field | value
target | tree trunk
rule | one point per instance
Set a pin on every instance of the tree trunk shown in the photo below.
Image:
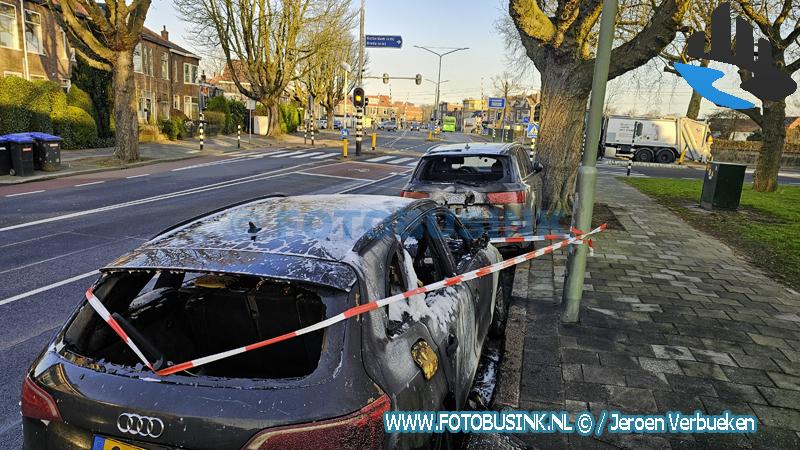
(331, 117)
(765, 178)
(565, 92)
(274, 118)
(693, 111)
(125, 107)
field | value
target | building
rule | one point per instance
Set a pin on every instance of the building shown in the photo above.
(379, 108)
(522, 107)
(473, 104)
(32, 45)
(793, 130)
(167, 77)
(408, 112)
(224, 81)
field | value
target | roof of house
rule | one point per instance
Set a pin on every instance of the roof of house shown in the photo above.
(152, 36)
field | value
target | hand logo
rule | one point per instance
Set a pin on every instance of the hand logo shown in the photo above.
(766, 83)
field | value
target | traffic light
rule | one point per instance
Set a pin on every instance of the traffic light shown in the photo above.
(358, 97)
(418, 79)
(385, 78)
(537, 112)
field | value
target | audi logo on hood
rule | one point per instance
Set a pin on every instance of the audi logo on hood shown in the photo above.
(140, 425)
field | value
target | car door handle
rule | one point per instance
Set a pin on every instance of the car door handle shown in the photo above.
(452, 344)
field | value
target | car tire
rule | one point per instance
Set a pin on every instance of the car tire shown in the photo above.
(665, 156)
(498, 326)
(643, 155)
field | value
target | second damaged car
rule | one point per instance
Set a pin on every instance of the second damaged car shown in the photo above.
(251, 272)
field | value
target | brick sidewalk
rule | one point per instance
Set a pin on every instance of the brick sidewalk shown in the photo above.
(671, 320)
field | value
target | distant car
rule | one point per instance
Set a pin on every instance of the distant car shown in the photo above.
(492, 188)
(322, 124)
(388, 125)
(414, 127)
(217, 283)
(337, 124)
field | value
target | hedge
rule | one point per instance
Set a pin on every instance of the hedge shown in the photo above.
(215, 122)
(43, 106)
(748, 146)
(79, 98)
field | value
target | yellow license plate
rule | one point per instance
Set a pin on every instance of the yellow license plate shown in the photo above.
(104, 443)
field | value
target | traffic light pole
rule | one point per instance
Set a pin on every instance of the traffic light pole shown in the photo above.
(587, 173)
(359, 108)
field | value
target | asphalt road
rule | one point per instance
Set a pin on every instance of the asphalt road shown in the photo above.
(55, 234)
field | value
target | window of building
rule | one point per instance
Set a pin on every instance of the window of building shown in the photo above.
(189, 73)
(8, 73)
(33, 32)
(8, 26)
(67, 52)
(175, 76)
(38, 78)
(148, 61)
(163, 110)
(176, 101)
(164, 66)
(137, 58)
(190, 107)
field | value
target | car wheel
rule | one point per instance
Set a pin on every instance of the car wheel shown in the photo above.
(643, 155)
(498, 327)
(665, 156)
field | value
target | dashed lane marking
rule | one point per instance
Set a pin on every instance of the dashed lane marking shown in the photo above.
(379, 159)
(25, 193)
(89, 184)
(138, 176)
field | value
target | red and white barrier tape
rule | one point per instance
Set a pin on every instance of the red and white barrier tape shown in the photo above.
(352, 312)
(105, 315)
(546, 237)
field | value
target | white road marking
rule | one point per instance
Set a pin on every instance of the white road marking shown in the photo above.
(413, 164)
(398, 161)
(190, 191)
(212, 163)
(325, 155)
(334, 176)
(48, 287)
(89, 184)
(287, 154)
(25, 193)
(305, 155)
(138, 176)
(280, 153)
(380, 158)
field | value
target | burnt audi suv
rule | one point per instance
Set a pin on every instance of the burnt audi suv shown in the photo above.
(492, 188)
(252, 272)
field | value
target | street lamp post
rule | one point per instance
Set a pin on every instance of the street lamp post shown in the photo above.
(439, 77)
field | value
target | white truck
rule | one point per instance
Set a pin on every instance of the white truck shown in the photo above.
(661, 140)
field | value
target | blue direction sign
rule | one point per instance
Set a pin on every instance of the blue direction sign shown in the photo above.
(533, 130)
(525, 119)
(497, 103)
(345, 133)
(375, 40)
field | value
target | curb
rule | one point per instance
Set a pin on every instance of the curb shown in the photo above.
(509, 373)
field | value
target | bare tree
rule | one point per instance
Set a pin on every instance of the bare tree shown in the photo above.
(779, 22)
(506, 85)
(560, 36)
(265, 42)
(104, 36)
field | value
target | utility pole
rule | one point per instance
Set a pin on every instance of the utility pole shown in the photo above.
(439, 77)
(359, 110)
(587, 173)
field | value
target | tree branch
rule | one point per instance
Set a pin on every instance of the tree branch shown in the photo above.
(657, 34)
(532, 21)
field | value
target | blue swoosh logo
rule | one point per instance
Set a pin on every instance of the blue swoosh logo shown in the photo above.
(702, 79)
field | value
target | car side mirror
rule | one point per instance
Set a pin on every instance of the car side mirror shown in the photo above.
(537, 167)
(480, 242)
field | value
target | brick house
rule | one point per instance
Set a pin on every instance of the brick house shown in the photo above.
(32, 45)
(167, 77)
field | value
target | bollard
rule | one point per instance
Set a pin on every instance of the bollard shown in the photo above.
(238, 136)
(430, 136)
(374, 139)
(344, 148)
(201, 131)
(630, 163)
(305, 133)
(312, 134)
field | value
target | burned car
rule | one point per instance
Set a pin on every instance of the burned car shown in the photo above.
(492, 188)
(251, 272)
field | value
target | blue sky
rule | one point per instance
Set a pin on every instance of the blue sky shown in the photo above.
(467, 24)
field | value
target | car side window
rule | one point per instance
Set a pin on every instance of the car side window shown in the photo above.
(524, 161)
(417, 245)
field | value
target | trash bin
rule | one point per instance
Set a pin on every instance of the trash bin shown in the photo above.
(46, 151)
(5, 157)
(722, 186)
(20, 146)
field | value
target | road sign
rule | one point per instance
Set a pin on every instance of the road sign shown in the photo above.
(251, 104)
(345, 133)
(525, 119)
(497, 103)
(380, 41)
(533, 130)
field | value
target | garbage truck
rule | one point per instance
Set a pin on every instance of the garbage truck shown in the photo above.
(662, 140)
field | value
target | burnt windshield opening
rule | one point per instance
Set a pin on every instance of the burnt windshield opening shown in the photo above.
(187, 315)
(470, 169)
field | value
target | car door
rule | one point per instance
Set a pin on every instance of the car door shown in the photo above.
(477, 295)
(531, 179)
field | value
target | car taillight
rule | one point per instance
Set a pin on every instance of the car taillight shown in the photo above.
(412, 194)
(37, 403)
(506, 197)
(364, 427)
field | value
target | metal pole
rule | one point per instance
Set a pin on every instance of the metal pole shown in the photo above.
(359, 130)
(359, 109)
(587, 173)
(238, 136)
(438, 84)
(630, 163)
(201, 131)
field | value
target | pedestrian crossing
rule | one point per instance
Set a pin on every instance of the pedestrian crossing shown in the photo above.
(392, 159)
(617, 171)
